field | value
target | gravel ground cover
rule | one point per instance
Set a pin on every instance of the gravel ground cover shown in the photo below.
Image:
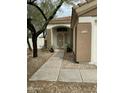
(69, 63)
(33, 64)
(61, 87)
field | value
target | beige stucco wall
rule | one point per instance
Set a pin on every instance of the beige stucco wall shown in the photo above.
(74, 23)
(92, 20)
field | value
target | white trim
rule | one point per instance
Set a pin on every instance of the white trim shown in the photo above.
(50, 26)
(86, 19)
(94, 43)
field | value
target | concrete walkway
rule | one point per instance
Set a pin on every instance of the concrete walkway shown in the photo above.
(52, 71)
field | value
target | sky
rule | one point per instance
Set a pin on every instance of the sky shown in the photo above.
(66, 10)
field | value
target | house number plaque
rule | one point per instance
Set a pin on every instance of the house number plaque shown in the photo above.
(84, 32)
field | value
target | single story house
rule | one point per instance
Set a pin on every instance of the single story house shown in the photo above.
(79, 31)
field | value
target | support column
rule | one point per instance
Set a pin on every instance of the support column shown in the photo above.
(94, 43)
(51, 37)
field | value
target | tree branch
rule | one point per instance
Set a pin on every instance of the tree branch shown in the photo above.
(31, 1)
(33, 4)
(34, 1)
(43, 29)
(54, 12)
(30, 26)
(50, 18)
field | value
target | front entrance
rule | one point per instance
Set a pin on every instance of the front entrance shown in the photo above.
(60, 37)
(60, 40)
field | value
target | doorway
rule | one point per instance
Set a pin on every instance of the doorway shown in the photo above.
(60, 39)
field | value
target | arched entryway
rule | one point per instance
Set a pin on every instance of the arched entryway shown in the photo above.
(61, 36)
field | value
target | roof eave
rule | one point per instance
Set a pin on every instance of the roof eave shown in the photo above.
(86, 7)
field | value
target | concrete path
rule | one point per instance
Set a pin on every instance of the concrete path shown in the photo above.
(52, 71)
(70, 75)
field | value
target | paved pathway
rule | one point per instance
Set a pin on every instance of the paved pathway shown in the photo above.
(52, 70)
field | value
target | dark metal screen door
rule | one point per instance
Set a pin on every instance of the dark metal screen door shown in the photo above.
(60, 40)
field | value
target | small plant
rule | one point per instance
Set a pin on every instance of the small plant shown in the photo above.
(68, 48)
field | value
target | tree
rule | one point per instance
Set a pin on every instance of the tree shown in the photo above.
(46, 11)
(28, 36)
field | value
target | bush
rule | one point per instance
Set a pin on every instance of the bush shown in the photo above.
(68, 48)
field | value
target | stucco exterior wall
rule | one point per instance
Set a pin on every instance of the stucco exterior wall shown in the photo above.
(92, 20)
(74, 27)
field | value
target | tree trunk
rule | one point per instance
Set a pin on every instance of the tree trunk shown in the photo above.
(29, 44)
(34, 40)
(45, 43)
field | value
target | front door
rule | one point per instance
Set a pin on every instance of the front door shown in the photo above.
(60, 40)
